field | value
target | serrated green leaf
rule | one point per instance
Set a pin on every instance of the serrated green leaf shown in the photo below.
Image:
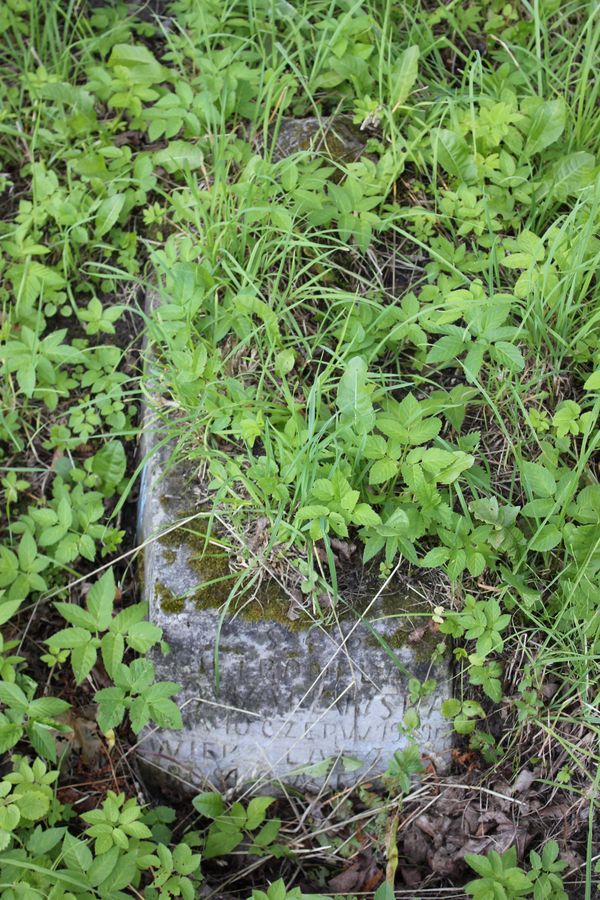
(100, 600)
(382, 470)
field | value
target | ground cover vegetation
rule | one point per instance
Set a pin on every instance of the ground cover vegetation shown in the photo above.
(379, 342)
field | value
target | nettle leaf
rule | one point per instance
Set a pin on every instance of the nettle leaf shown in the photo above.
(454, 154)
(354, 397)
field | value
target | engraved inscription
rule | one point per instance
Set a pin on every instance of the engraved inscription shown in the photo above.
(286, 699)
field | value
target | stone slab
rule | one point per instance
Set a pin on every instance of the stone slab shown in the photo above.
(291, 695)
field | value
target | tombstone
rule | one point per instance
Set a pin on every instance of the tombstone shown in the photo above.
(268, 701)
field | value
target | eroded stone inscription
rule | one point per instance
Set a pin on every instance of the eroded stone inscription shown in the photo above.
(276, 699)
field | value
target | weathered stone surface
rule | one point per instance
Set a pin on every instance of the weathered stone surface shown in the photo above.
(291, 694)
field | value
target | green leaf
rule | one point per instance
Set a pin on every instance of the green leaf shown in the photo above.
(33, 802)
(572, 174)
(382, 470)
(509, 355)
(9, 817)
(256, 811)
(83, 659)
(546, 123)
(8, 608)
(76, 853)
(166, 713)
(354, 397)
(140, 63)
(446, 348)
(593, 382)
(546, 539)
(284, 362)
(13, 697)
(102, 866)
(450, 708)
(538, 479)
(479, 864)
(365, 516)
(385, 891)
(267, 834)
(27, 551)
(47, 707)
(403, 76)
(179, 156)
(68, 638)
(315, 511)
(110, 464)
(322, 490)
(108, 213)
(209, 804)
(143, 635)
(100, 600)
(220, 843)
(75, 615)
(435, 557)
(42, 740)
(453, 154)
(10, 733)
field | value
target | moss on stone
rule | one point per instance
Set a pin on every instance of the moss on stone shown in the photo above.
(269, 601)
(169, 602)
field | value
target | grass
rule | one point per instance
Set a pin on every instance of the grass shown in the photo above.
(390, 353)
